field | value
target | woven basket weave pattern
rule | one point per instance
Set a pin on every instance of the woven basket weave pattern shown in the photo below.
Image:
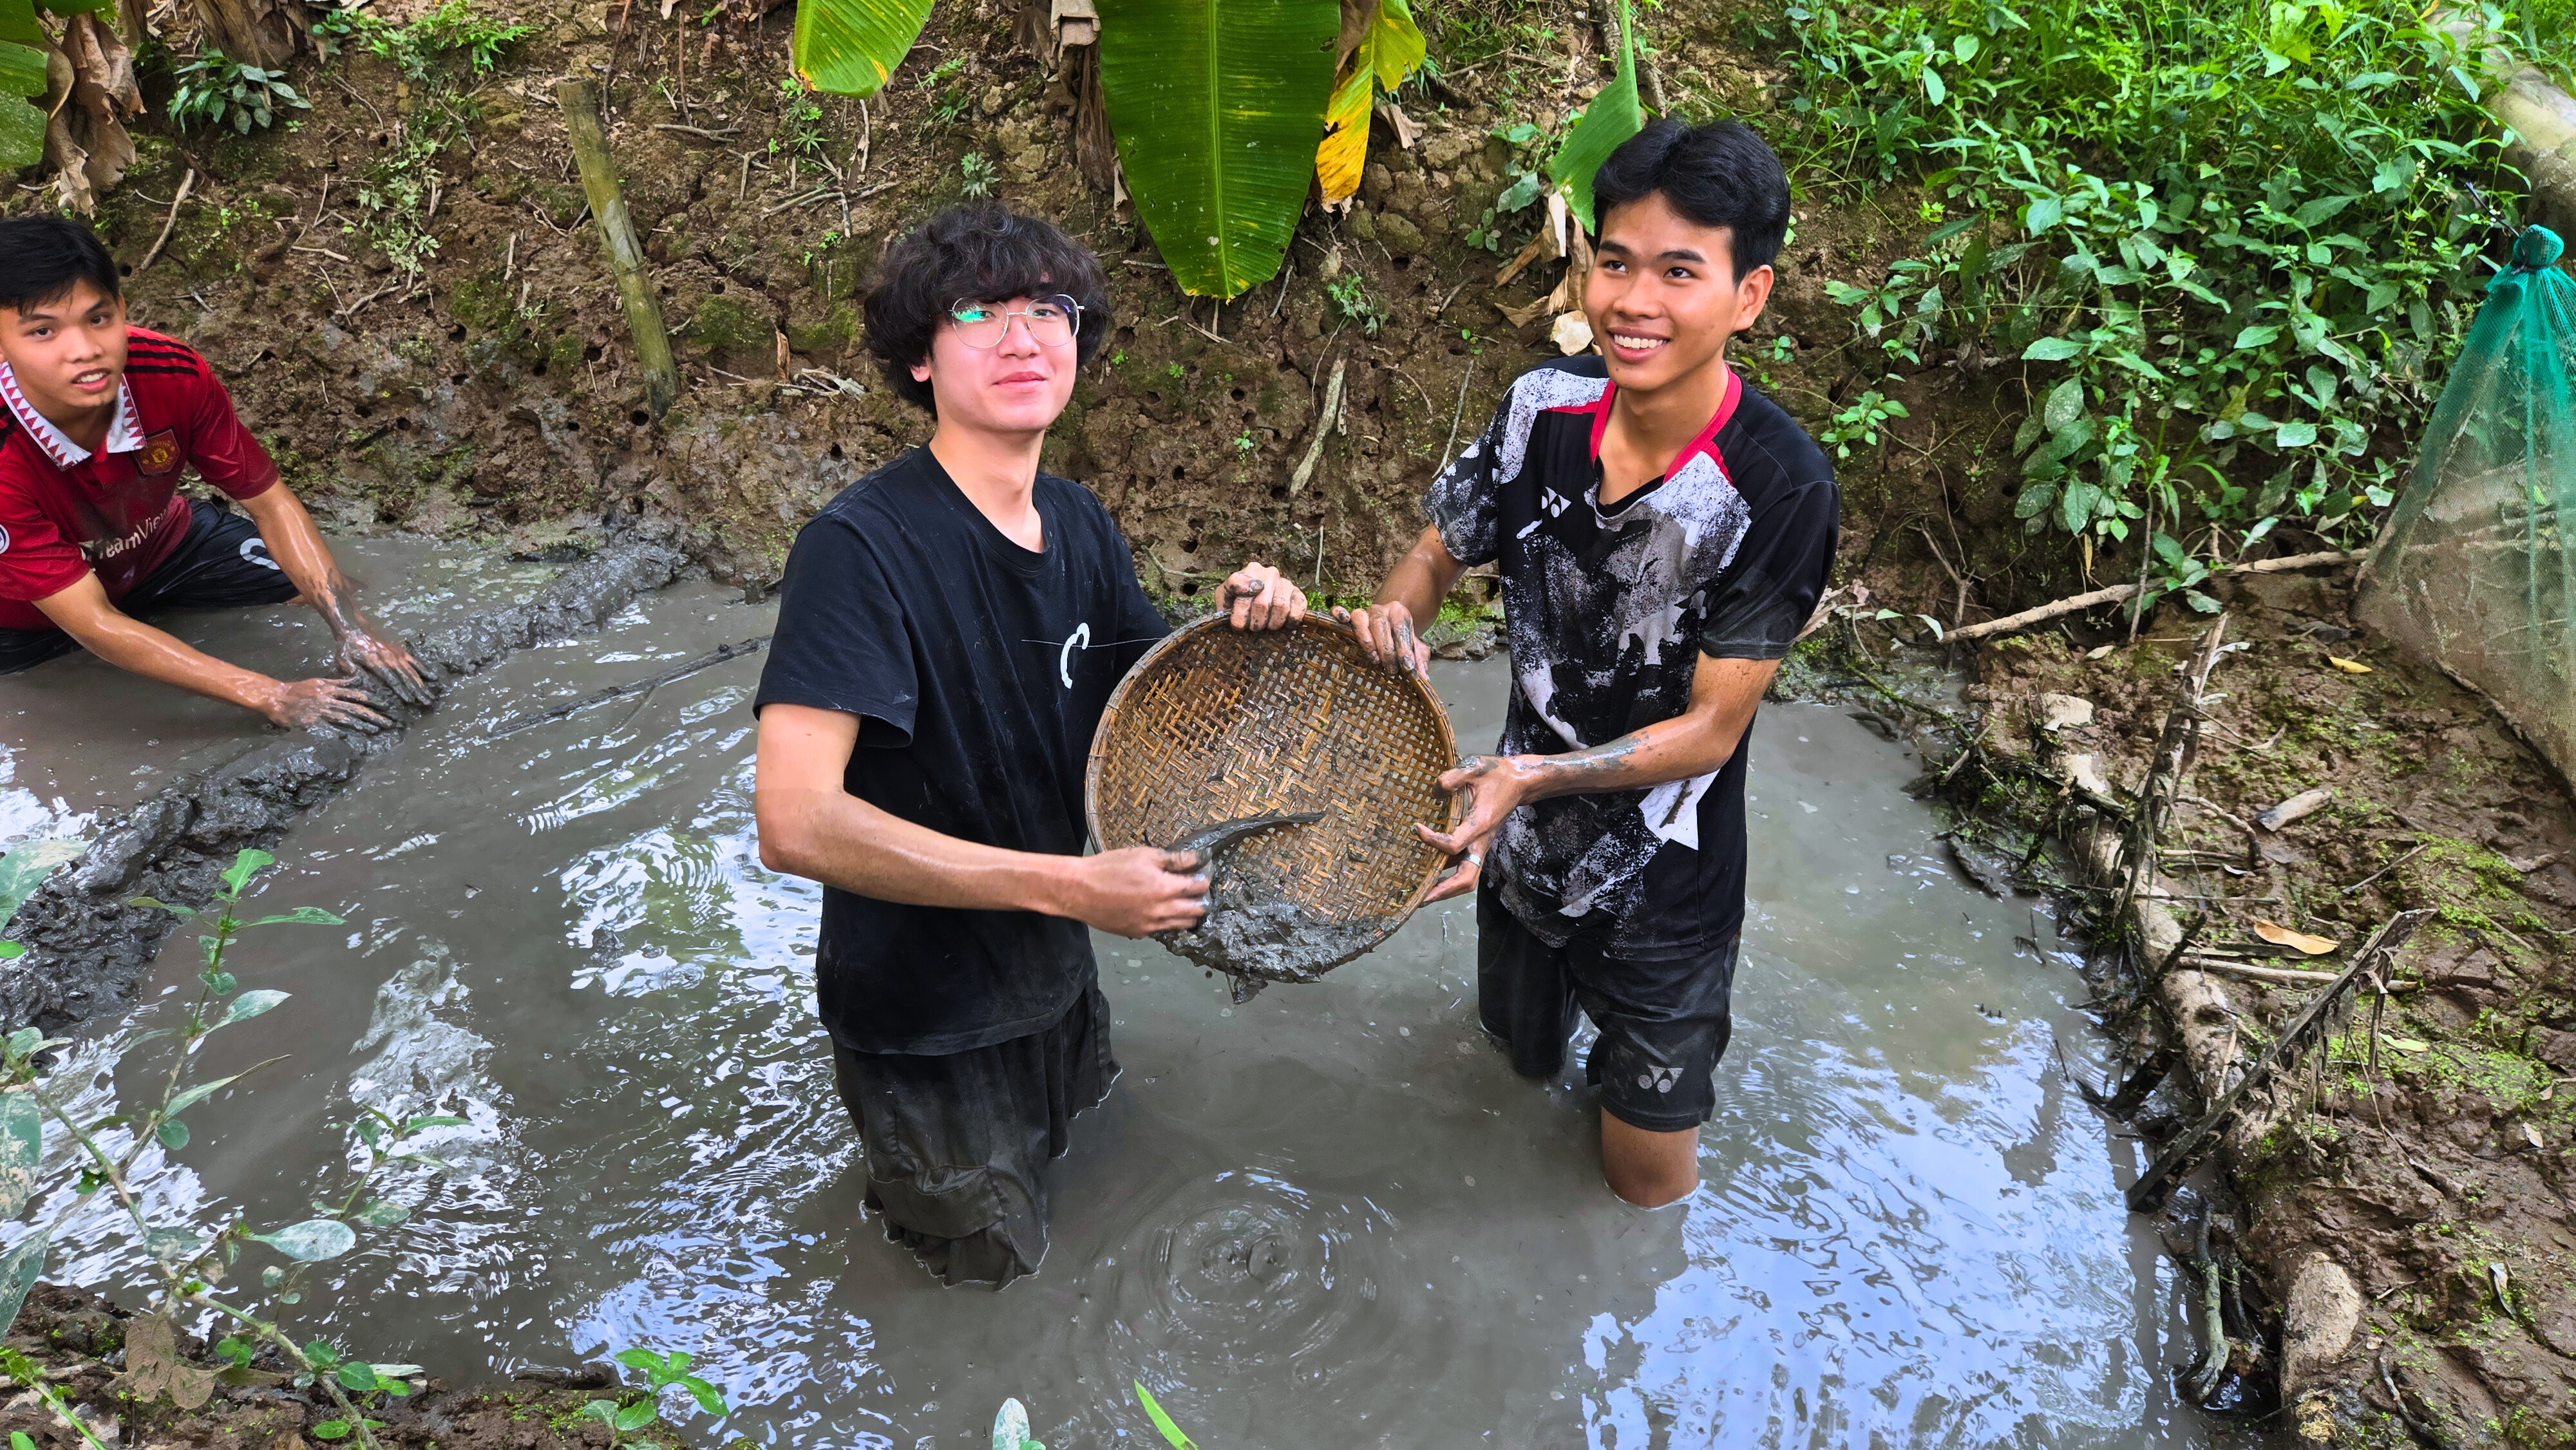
(1216, 724)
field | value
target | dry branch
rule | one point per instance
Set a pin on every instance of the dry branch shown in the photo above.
(2074, 604)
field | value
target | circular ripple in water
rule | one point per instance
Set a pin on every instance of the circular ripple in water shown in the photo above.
(1227, 1286)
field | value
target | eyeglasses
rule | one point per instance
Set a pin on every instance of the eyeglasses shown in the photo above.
(1051, 321)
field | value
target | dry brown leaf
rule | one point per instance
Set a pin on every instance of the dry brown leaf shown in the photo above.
(2297, 941)
(153, 1366)
(1571, 332)
(85, 141)
(2349, 667)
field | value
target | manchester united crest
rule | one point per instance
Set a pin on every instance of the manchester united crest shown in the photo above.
(160, 454)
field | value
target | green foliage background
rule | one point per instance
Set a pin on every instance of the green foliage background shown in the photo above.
(2231, 248)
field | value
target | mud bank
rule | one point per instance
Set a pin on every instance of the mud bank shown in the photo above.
(2400, 1205)
(78, 1340)
(86, 945)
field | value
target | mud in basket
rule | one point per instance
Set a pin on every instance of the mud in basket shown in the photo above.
(2476, 570)
(1218, 725)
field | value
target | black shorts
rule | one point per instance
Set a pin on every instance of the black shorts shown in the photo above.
(221, 563)
(1664, 1024)
(957, 1145)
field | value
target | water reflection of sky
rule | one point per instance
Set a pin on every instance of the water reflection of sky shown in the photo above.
(1326, 1217)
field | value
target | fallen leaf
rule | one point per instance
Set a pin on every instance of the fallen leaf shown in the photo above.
(2098, 651)
(2531, 1135)
(1572, 333)
(2297, 941)
(2349, 667)
(2407, 1044)
(153, 1366)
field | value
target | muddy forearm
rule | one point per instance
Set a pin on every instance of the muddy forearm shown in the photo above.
(297, 547)
(1667, 750)
(129, 644)
(1422, 578)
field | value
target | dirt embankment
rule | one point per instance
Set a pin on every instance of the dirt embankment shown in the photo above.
(2433, 1169)
(79, 1342)
(493, 393)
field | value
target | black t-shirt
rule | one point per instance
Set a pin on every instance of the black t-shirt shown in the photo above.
(978, 671)
(1607, 613)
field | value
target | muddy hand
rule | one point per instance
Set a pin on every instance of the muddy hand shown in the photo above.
(1494, 787)
(390, 663)
(310, 704)
(1260, 597)
(1139, 891)
(1386, 632)
(1466, 869)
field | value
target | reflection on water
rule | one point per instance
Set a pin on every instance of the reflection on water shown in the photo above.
(1330, 1216)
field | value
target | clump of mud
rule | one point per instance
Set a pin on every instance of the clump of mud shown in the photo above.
(1254, 932)
(86, 946)
(78, 1340)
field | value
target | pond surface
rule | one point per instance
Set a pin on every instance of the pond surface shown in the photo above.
(1329, 1217)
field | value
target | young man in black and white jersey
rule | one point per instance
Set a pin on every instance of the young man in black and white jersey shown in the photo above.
(1663, 532)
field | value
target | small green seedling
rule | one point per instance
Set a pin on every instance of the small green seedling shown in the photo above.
(1011, 1429)
(661, 1371)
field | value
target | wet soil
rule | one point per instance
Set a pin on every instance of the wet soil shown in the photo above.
(87, 942)
(78, 1340)
(2437, 1168)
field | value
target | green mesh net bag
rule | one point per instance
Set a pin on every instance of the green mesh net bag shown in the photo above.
(2476, 570)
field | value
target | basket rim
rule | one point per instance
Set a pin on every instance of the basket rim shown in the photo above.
(1118, 696)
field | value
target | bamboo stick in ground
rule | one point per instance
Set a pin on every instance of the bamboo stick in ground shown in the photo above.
(580, 103)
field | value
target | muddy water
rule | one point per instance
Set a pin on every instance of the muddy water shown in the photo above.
(1330, 1216)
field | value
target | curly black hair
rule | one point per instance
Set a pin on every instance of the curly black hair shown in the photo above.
(983, 253)
(1718, 174)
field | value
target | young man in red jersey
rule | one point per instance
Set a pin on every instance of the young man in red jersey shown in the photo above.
(1663, 532)
(97, 421)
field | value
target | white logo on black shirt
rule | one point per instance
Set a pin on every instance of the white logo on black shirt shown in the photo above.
(1079, 639)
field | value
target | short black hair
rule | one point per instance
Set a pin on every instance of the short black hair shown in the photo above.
(982, 253)
(1718, 174)
(42, 258)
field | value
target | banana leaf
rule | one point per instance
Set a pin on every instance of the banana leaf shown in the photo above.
(1217, 106)
(22, 73)
(1389, 52)
(1613, 116)
(850, 47)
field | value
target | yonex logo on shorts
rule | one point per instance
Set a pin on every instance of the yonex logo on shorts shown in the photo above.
(1661, 1079)
(255, 551)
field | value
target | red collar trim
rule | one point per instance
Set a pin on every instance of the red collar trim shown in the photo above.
(1706, 442)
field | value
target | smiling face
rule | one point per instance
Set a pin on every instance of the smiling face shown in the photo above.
(1663, 296)
(69, 353)
(1014, 388)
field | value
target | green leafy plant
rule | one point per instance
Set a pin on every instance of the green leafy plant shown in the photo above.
(451, 37)
(800, 122)
(1522, 187)
(1243, 441)
(1350, 297)
(216, 91)
(661, 1372)
(975, 175)
(2228, 248)
(1861, 422)
(189, 1258)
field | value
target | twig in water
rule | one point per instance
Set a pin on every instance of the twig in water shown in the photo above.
(187, 183)
(679, 671)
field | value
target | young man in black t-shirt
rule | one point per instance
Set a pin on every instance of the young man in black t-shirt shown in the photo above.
(1663, 533)
(949, 631)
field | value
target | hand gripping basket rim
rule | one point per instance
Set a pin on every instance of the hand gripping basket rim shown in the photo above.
(1189, 633)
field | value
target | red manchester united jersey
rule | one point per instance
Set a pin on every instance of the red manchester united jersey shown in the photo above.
(66, 511)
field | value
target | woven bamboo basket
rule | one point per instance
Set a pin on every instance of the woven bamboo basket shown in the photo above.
(1217, 724)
